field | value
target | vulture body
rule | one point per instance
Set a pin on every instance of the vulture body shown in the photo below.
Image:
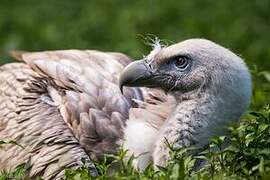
(66, 108)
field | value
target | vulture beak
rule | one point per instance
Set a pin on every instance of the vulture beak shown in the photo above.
(136, 74)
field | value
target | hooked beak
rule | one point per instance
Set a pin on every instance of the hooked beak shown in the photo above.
(137, 73)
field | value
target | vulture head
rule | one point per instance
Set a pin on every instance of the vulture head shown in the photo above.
(210, 84)
(190, 68)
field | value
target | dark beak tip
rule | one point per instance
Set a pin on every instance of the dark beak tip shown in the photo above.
(134, 75)
(121, 89)
(121, 83)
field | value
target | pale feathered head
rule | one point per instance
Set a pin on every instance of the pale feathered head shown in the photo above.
(190, 68)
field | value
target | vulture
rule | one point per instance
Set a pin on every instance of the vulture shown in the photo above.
(69, 108)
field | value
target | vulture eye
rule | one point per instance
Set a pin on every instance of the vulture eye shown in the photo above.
(181, 62)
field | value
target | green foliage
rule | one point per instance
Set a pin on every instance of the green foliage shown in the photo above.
(18, 174)
(261, 88)
(252, 140)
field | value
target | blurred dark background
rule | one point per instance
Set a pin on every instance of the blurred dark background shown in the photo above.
(119, 25)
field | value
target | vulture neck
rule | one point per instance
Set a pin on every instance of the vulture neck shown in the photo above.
(192, 122)
(189, 115)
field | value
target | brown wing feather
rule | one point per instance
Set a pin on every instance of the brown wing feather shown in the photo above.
(86, 93)
(49, 145)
